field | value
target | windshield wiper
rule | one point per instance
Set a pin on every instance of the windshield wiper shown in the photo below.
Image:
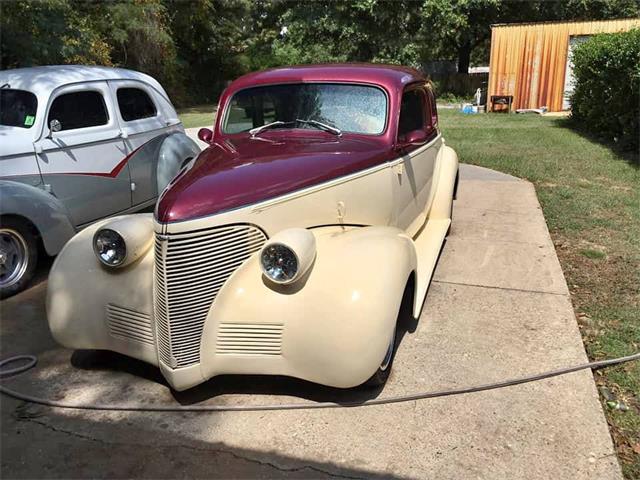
(267, 126)
(321, 126)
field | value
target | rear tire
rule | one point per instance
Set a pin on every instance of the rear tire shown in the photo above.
(18, 255)
(455, 196)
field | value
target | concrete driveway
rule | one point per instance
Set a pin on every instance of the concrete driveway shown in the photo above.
(498, 307)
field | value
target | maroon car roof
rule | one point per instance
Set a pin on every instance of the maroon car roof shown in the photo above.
(391, 76)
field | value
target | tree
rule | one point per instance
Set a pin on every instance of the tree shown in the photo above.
(460, 26)
(211, 38)
(360, 30)
(48, 32)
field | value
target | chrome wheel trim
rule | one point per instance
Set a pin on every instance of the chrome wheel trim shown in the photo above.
(14, 257)
(387, 357)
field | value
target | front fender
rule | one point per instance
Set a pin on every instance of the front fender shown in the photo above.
(50, 217)
(90, 306)
(332, 327)
(175, 149)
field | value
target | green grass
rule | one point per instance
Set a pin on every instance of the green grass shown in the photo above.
(198, 116)
(590, 196)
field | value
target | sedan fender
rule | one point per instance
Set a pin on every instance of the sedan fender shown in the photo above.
(43, 210)
(176, 149)
(333, 326)
(92, 306)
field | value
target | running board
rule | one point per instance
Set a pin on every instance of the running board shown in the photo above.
(428, 244)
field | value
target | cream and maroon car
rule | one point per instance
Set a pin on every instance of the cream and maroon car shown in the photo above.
(286, 247)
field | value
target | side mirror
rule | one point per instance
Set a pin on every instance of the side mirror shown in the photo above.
(205, 135)
(54, 126)
(414, 137)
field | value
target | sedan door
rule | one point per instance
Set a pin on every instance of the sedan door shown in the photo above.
(414, 174)
(84, 163)
(142, 118)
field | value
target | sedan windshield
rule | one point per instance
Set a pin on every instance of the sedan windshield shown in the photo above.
(17, 108)
(348, 108)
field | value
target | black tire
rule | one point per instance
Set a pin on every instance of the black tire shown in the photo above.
(381, 375)
(455, 185)
(455, 196)
(18, 255)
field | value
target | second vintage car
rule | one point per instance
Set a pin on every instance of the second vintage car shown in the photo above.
(286, 247)
(77, 144)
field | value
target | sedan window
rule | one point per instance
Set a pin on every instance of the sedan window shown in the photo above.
(135, 104)
(411, 112)
(349, 108)
(79, 110)
(17, 108)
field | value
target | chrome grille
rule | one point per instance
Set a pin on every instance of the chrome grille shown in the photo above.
(249, 339)
(191, 268)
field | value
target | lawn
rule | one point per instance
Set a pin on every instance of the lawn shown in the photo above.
(591, 199)
(198, 116)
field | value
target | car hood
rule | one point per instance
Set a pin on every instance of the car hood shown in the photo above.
(15, 141)
(247, 170)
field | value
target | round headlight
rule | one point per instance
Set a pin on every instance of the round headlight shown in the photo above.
(110, 247)
(279, 263)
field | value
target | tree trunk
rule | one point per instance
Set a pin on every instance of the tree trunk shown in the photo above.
(464, 57)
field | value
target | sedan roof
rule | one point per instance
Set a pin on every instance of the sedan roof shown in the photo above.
(391, 76)
(44, 80)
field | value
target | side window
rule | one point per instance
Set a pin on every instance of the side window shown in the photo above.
(411, 112)
(432, 110)
(79, 110)
(135, 104)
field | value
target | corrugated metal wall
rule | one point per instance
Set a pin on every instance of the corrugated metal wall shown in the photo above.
(528, 61)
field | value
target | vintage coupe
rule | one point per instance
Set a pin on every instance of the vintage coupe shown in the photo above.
(77, 144)
(286, 246)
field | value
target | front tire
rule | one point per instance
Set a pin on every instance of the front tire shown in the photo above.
(18, 255)
(382, 374)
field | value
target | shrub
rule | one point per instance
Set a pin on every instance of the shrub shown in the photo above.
(606, 98)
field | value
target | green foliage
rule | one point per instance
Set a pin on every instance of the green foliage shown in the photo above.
(48, 32)
(195, 47)
(606, 98)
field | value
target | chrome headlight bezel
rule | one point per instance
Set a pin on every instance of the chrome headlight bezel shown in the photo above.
(116, 242)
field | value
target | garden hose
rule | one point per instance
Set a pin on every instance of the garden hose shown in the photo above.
(32, 360)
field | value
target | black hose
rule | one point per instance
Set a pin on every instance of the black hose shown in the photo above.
(291, 406)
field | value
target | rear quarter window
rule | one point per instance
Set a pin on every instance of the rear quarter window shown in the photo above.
(135, 104)
(17, 108)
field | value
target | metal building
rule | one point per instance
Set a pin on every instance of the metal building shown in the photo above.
(532, 61)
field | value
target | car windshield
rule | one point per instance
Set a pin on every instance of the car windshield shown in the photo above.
(349, 108)
(17, 108)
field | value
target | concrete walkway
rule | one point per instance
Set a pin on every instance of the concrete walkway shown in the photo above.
(498, 308)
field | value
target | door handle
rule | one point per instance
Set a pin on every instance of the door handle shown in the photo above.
(123, 134)
(37, 147)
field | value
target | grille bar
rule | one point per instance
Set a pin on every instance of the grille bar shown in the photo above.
(191, 268)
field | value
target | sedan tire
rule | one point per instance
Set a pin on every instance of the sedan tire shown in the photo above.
(18, 255)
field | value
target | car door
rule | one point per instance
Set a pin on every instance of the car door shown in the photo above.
(142, 120)
(414, 174)
(84, 163)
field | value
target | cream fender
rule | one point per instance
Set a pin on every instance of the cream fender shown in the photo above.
(93, 306)
(341, 313)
